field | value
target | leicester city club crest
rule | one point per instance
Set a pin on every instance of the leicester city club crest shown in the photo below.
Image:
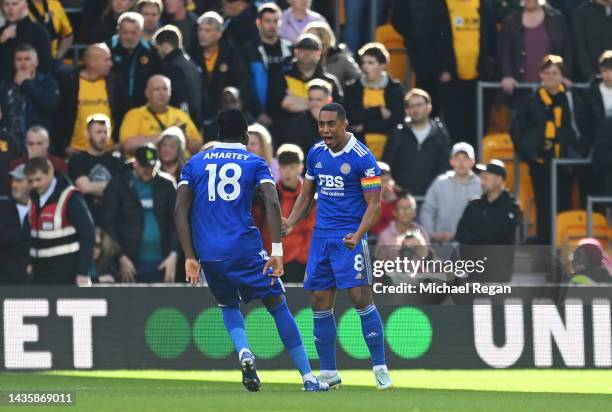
(345, 168)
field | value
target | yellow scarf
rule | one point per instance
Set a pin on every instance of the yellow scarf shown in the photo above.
(552, 124)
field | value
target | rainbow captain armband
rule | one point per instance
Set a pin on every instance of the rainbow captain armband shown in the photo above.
(370, 184)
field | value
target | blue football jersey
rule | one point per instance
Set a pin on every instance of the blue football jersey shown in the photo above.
(341, 179)
(224, 180)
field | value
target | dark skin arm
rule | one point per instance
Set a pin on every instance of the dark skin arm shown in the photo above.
(368, 221)
(301, 208)
(273, 218)
(182, 219)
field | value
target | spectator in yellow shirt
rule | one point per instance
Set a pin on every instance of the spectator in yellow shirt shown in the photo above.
(144, 124)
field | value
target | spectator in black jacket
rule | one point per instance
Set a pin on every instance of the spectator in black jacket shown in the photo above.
(240, 16)
(417, 150)
(62, 232)
(139, 215)
(374, 104)
(9, 151)
(602, 155)
(83, 94)
(267, 56)
(552, 123)
(20, 29)
(527, 35)
(134, 59)
(413, 19)
(184, 75)
(466, 49)
(176, 13)
(222, 66)
(593, 34)
(102, 26)
(489, 222)
(92, 170)
(29, 98)
(304, 129)
(600, 92)
(15, 233)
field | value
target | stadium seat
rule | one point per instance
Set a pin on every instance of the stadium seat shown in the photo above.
(394, 42)
(572, 226)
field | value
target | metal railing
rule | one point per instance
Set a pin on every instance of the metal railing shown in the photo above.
(481, 86)
(591, 200)
(554, 169)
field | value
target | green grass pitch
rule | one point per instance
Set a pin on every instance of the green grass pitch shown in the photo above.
(415, 391)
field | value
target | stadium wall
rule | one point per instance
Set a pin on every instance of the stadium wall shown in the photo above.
(181, 328)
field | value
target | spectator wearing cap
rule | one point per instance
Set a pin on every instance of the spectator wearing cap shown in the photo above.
(374, 104)
(134, 58)
(20, 29)
(27, 99)
(336, 58)
(52, 16)
(592, 34)
(151, 12)
(176, 13)
(417, 149)
(91, 171)
(144, 124)
(552, 123)
(304, 129)
(101, 24)
(305, 67)
(240, 16)
(37, 144)
(267, 56)
(449, 194)
(491, 219)
(15, 234)
(184, 75)
(171, 147)
(62, 232)
(86, 91)
(222, 65)
(489, 222)
(388, 198)
(138, 214)
(232, 99)
(296, 17)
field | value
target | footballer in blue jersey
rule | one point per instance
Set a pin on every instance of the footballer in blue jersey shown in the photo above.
(346, 178)
(213, 219)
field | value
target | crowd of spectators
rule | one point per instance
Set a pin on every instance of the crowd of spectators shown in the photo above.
(92, 144)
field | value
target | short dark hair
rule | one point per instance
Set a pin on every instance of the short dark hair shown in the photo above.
(319, 84)
(268, 8)
(25, 47)
(290, 153)
(232, 124)
(38, 164)
(169, 35)
(288, 158)
(376, 50)
(335, 107)
(552, 60)
(605, 60)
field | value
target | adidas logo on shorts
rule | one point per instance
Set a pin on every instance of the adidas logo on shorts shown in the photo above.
(359, 276)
